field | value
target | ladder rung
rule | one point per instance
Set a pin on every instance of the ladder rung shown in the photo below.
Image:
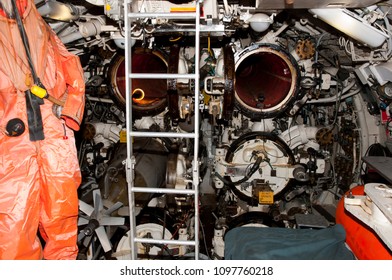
(161, 134)
(161, 76)
(192, 28)
(178, 15)
(165, 241)
(162, 190)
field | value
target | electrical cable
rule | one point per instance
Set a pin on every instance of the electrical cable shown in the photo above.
(253, 169)
(33, 102)
(25, 41)
(204, 239)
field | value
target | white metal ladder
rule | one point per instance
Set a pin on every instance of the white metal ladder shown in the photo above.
(130, 162)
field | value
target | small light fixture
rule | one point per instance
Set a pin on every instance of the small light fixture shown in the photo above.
(138, 94)
(260, 22)
(352, 25)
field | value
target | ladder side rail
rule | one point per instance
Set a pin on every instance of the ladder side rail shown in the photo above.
(197, 124)
(130, 158)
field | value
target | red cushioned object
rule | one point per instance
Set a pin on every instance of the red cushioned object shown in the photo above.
(362, 240)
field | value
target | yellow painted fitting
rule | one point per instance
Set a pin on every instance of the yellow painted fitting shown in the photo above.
(38, 91)
(182, 9)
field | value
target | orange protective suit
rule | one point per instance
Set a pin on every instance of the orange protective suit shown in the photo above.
(38, 179)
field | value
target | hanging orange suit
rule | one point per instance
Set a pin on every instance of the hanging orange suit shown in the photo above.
(38, 178)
